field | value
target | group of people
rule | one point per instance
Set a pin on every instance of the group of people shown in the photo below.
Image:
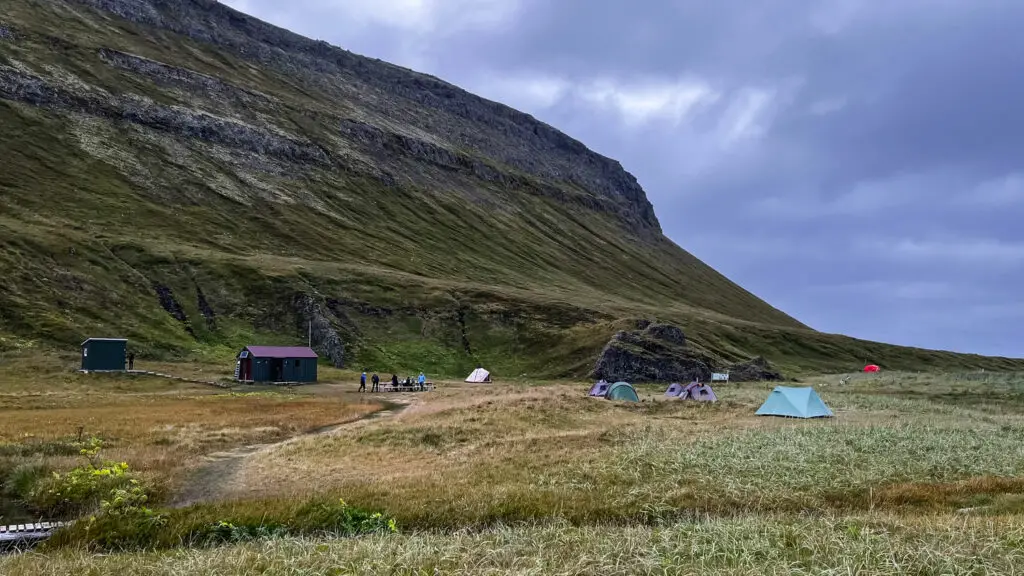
(420, 382)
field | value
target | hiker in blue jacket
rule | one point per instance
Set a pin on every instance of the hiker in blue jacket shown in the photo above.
(362, 382)
(422, 380)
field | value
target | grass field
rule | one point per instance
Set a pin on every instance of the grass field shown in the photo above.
(877, 544)
(916, 474)
(163, 428)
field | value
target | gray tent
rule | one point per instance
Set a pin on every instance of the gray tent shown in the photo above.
(703, 393)
(674, 390)
(697, 391)
(599, 389)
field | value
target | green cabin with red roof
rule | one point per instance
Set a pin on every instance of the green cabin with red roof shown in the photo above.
(276, 364)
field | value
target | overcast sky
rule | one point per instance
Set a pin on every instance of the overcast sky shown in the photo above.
(857, 163)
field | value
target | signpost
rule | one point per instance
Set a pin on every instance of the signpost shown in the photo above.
(717, 377)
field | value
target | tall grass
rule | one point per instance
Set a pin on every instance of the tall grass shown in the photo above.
(472, 474)
(801, 466)
(475, 457)
(874, 544)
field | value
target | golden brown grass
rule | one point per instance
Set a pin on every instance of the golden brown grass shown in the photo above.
(162, 433)
(476, 455)
(867, 544)
(161, 427)
(906, 469)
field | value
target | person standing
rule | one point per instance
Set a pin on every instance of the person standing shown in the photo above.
(376, 382)
(394, 381)
(131, 360)
(362, 382)
(421, 380)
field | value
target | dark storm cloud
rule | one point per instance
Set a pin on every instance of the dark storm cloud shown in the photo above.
(856, 163)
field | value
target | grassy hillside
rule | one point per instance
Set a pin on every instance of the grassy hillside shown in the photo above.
(188, 177)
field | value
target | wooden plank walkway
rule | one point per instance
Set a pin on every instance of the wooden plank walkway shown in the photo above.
(158, 375)
(179, 378)
(19, 533)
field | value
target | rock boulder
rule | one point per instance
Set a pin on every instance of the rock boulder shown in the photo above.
(754, 370)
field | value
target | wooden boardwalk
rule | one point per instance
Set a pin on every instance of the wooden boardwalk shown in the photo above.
(26, 534)
(179, 378)
(159, 375)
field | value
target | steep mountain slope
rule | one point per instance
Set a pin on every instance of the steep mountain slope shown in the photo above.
(194, 179)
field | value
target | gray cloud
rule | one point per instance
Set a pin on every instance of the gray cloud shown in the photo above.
(856, 163)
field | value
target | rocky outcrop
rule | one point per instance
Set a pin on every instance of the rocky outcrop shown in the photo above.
(657, 353)
(385, 145)
(392, 142)
(325, 339)
(171, 305)
(338, 305)
(754, 370)
(666, 333)
(206, 310)
(463, 330)
(167, 75)
(23, 87)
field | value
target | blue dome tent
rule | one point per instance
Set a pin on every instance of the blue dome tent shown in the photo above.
(795, 403)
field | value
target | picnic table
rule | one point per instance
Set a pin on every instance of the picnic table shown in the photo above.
(402, 387)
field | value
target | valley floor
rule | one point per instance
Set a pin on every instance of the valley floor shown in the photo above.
(915, 474)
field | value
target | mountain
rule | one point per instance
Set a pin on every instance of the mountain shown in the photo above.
(194, 179)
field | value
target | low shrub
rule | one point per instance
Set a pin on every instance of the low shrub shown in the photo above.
(83, 489)
(65, 447)
(124, 521)
(134, 527)
(224, 532)
(340, 519)
(20, 481)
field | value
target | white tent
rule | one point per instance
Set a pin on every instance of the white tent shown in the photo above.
(479, 375)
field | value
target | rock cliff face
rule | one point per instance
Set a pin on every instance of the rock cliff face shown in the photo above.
(461, 119)
(324, 338)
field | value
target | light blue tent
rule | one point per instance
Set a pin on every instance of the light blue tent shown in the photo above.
(795, 403)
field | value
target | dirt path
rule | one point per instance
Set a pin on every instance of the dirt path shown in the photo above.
(212, 480)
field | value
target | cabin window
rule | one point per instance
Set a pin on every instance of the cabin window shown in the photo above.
(297, 362)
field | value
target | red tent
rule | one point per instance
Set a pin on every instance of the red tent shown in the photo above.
(871, 368)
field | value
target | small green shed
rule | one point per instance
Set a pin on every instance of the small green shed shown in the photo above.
(104, 354)
(276, 364)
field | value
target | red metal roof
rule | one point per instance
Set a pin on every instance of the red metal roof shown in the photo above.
(281, 351)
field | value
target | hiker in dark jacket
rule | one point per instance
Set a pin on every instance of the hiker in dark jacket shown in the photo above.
(394, 381)
(376, 382)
